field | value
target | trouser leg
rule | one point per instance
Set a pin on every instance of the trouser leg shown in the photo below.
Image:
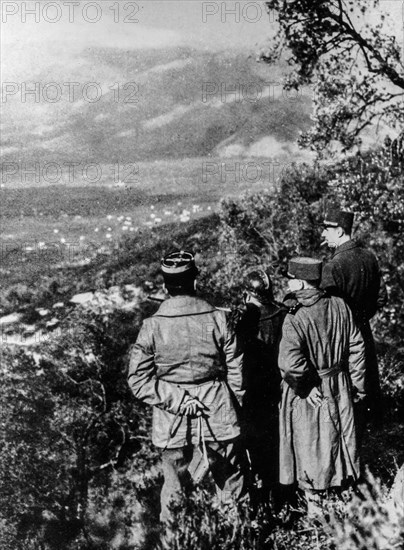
(176, 478)
(229, 467)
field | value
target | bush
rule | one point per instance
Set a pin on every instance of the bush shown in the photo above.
(391, 367)
(267, 229)
(367, 520)
(34, 458)
(202, 523)
(67, 422)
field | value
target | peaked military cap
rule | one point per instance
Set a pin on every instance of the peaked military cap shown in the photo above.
(308, 269)
(339, 218)
(179, 266)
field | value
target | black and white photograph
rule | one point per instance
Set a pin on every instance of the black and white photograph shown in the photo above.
(202, 275)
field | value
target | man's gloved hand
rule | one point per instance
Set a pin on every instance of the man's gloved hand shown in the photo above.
(192, 407)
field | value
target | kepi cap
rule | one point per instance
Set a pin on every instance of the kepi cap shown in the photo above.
(179, 267)
(307, 269)
(339, 218)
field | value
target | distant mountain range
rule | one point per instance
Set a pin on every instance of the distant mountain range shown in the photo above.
(152, 104)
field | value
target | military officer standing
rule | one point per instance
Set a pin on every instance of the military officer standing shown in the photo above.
(322, 361)
(354, 274)
(187, 364)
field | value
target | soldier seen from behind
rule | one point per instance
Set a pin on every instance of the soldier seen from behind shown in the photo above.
(353, 273)
(259, 328)
(322, 361)
(187, 364)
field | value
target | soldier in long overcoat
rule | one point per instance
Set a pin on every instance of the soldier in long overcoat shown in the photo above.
(322, 361)
(187, 364)
(353, 273)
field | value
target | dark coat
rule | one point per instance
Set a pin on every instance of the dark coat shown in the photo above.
(320, 346)
(259, 330)
(187, 348)
(354, 274)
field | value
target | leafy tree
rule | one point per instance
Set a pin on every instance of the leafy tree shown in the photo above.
(353, 64)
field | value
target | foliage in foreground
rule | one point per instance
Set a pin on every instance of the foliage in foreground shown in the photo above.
(67, 425)
(365, 518)
(368, 520)
(201, 522)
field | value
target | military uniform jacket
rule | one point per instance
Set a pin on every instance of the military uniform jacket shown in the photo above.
(353, 273)
(187, 348)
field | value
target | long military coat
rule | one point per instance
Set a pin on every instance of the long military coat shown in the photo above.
(186, 348)
(320, 346)
(353, 273)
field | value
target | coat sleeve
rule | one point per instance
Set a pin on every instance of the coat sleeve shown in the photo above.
(234, 363)
(295, 369)
(142, 378)
(357, 366)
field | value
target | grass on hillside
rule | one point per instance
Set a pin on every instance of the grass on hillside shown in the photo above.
(40, 279)
(56, 239)
(154, 194)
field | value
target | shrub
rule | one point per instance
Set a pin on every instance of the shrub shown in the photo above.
(67, 422)
(391, 367)
(267, 229)
(367, 521)
(201, 522)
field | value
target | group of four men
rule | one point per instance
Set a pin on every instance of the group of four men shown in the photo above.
(282, 383)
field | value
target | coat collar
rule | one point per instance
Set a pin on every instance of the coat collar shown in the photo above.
(349, 245)
(183, 305)
(309, 297)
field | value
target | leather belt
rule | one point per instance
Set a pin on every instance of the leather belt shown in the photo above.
(327, 373)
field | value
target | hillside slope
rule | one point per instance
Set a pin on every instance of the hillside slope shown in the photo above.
(177, 102)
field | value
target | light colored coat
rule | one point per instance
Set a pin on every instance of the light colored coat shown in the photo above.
(320, 346)
(187, 348)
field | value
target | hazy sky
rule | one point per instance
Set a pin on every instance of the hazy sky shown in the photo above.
(50, 36)
(207, 24)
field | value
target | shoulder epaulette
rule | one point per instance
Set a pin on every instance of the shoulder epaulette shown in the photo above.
(293, 309)
(291, 303)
